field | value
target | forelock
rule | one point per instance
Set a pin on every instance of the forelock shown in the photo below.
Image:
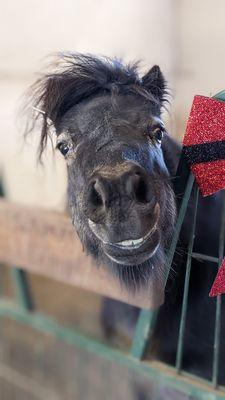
(74, 77)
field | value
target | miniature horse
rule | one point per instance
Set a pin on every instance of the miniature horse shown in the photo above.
(121, 163)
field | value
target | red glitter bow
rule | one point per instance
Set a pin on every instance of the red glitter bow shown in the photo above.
(204, 143)
(218, 286)
(204, 148)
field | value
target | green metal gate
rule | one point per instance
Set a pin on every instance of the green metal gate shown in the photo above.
(22, 311)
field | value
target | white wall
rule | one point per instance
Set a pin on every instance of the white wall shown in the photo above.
(185, 37)
(200, 59)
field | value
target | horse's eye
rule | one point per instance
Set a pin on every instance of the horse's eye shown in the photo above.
(63, 147)
(157, 134)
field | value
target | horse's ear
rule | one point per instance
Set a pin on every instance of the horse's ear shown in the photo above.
(155, 83)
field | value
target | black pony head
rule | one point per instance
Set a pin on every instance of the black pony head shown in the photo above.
(108, 127)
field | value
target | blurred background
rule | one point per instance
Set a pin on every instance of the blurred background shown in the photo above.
(186, 38)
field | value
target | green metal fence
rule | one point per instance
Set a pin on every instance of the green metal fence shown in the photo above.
(22, 310)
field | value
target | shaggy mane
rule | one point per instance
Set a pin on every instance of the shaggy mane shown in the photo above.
(74, 77)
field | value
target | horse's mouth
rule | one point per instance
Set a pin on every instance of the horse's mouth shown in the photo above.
(131, 251)
(134, 251)
(133, 243)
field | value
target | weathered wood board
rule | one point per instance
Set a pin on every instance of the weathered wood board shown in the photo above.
(45, 242)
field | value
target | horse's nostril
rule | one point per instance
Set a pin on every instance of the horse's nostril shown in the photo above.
(141, 191)
(95, 197)
(138, 186)
(106, 192)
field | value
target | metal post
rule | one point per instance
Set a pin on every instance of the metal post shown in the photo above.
(147, 318)
(143, 331)
(21, 287)
(216, 347)
(186, 287)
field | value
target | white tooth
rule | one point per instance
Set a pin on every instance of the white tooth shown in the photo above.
(136, 242)
(131, 242)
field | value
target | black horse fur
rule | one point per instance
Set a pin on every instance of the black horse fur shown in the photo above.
(121, 164)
